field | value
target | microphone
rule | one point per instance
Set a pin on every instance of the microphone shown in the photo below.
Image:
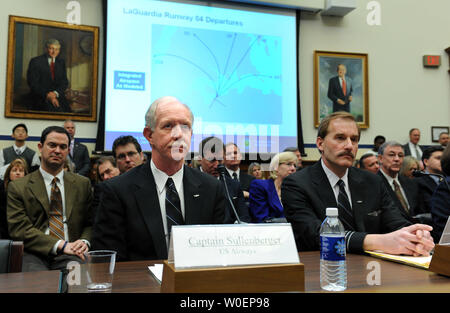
(221, 169)
(418, 173)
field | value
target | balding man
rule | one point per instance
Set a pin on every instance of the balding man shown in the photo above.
(139, 207)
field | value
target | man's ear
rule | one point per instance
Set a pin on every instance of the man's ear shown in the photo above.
(319, 144)
(39, 145)
(147, 132)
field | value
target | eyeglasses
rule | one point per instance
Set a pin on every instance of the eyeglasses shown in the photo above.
(129, 154)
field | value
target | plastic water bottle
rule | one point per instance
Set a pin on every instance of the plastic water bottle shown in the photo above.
(333, 269)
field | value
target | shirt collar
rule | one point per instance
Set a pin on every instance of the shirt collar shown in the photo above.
(332, 177)
(161, 178)
(231, 172)
(389, 178)
(21, 149)
(48, 178)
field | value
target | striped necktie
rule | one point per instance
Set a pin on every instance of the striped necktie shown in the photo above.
(173, 207)
(400, 197)
(56, 225)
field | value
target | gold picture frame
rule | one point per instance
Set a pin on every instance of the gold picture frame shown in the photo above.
(29, 74)
(328, 87)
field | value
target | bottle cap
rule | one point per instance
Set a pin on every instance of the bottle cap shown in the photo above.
(332, 212)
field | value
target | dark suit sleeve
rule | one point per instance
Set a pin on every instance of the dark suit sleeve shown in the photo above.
(34, 77)
(259, 208)
(109, 226)
(440, 210)
(82, 161)
(332, 90)
(241, 206)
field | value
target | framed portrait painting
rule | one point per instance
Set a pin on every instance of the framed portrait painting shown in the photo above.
(52, 70)
(341, 84)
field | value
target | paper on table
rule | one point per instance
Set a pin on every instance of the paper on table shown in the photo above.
(417, 261)
(157, 271)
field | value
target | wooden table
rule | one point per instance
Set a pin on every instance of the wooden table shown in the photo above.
(134, 277)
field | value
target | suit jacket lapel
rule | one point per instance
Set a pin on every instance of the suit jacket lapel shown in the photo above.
(357, 192)
(322, 186)
(37, 186)
(69, 194)
(192, 198)
(147, 200)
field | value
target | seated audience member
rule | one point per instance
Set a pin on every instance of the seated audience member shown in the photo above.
(377, 142)
(106, 168)
(78, 153)
(403, 190)
(16, 169)
(440, 200)
(409, 165)
(431, 158)
(49, 209)
(18, 149)
(443, 139)
(128, 153)
(371, 220)
(265, 195)
(139, 208)
(299, 165)
(232, 163)
(254, 169)
(211, 154)
(369, 162)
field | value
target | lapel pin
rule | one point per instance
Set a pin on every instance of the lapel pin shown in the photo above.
(196, 196)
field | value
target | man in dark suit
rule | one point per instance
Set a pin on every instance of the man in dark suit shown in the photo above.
(370, 219)
(78, 154)
(413, 148)
(47, 79)
(431, 159)
(232, 162)
(211, 153)
(403, 190)
(340, 90)
(139, 207)
(49, 209)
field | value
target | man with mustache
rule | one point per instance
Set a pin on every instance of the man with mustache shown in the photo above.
(371, 220)
(50, 209)
(139, 207)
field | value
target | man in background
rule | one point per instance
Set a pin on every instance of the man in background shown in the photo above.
(295, 150)
(403, 190)
(78, 153)
(413, 148)
(369, 162)
(232, 163)
(128, 153)
(47, 79)
(211, 153)
(18, 150)
(443, 139)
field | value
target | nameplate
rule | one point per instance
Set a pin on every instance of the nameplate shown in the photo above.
(196, 246)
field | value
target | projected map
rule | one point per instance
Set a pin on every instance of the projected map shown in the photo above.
(224, 74)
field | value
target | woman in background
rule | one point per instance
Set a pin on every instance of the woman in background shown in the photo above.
(265, 195)
(254, 169)
(16, 169)
(409, 165)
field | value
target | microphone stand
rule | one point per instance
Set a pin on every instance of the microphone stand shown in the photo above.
(221, 170)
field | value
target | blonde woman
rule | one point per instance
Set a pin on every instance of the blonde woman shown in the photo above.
(265, 195)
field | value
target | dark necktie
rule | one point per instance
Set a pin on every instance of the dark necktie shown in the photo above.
(56, 225)
(173, 207)
(400, 197)
(344, 208)
(52, 69)
(235, 176)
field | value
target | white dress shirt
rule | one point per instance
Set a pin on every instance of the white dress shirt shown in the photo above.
(160, 180)
(333, 179)
(238, 172)
(391, 183)
(412, 148)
